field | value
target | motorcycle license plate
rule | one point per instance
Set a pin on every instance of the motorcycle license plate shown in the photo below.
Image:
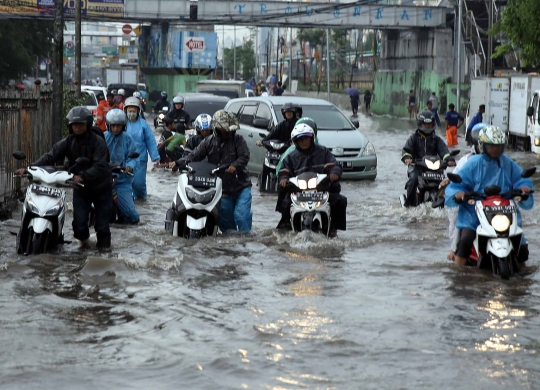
(309, 196)
(433, 176)
(202, 181)
(500, 209)
(47, 191)
(345, 164)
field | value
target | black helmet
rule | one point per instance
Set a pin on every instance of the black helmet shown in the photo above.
(292, 107)
(426, 118)
(79, 114)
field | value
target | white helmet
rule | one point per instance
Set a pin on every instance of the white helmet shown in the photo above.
(137, 94)
(121, 92)
(178, 100)
(301, 130)
(203, 122)
(132, 102)
(491, 135)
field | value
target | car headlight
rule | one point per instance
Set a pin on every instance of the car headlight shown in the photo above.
(302, 184)
(277, 145)
(33, 208)
(500, 222)
(312, 183)
(434, 166)
(200, 198)
(53, 210)
(537, 142)
(369, 150)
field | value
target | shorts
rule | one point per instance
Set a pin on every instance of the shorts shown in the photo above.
(412, 107)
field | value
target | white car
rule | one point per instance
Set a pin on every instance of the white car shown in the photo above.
(91, 102)
(95, 89)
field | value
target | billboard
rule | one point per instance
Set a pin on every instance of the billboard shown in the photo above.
(98, 8)
(165, 47)
(20, 7)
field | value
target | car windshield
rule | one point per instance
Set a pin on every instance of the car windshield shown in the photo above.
(90, 100)
(141, 87)
(326, 117)
(196, 108)
(230, 93)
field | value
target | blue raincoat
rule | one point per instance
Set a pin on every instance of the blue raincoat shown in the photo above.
(120, 146)
(479, 172)
(146, 143)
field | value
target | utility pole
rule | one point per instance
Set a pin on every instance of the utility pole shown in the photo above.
(458, 84)
(290, 62)
(223, 51)
(328, 63)
(277, 56)
(490, 40)
(58, 71)
(77, 47)
(234, 52)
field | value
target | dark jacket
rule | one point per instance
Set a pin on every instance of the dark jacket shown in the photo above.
(233, 151)
(426, 146)
(367, 97)
(180, 117)
(91, 146)
(313, 160)
(193, 142)
(160, 104)
(282, 131)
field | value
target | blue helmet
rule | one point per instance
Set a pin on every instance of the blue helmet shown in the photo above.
(116, 117)
(203, 122)
(476, 130)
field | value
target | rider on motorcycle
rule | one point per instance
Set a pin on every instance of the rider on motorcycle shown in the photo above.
(311, 157)
(282, 132)
(203, 126)
(424, 142)
(490, 167)
(120, 145)
(161, 103)
(137, 95)
(311, 123)
(181, 118)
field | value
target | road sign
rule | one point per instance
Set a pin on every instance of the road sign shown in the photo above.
(48, 61)
(69, 45)
(122, 49)
(42, 65)
(109, 50)
(69, 51)
(138, 30)
(194, 44)
(126, 29)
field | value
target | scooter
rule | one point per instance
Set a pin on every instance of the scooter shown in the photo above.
(194, 212)
(268, 180)
(498, 237)
(44, 207)
(429, 182)
(158, 119)
(310, 209)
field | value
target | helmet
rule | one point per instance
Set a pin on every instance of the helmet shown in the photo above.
(225, 121)
(178, 100)
(292, 107)
(301, 130)
(121, 92)
(137, 94)
(475, 131)
(163, 94)
(491, 135)
(116, 117)
(133, 102)
(203, 122)
(308, 121)
(426, 118)
(79, 114)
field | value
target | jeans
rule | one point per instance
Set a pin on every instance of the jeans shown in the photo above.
(139, 180)
(82, 206)
(235, 214)
(437, 119)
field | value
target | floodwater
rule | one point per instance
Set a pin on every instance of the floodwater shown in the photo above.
(379, 307)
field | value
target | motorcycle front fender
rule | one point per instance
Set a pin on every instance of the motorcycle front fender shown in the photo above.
(500, 247)
(39, 225)
(195, 224)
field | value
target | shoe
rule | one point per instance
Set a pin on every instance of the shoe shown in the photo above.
(103, 244)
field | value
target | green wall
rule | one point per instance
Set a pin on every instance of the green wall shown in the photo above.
(391, 91)
(173, 84)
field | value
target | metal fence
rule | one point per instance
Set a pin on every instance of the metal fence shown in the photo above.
(26, 125)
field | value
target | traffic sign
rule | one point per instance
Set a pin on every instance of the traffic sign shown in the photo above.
(42, 65)
(109, 49)
(126, 29)
(194, 44)
(48, 61)
(69, 45)
(138, 30)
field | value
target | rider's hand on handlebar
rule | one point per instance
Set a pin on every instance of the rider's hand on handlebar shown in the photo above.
(77, 179)
(283, 182)
(408, 161)
(259, 143)
(172, 164)
(231, 169)
(460, 196)
(334, 177)
(20, 171)
(129, 170)
(525, 190)
(451, 163)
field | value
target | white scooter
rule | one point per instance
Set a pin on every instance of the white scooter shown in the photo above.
(498, 237)
(43, 214)
(195, 208)
(310, 209)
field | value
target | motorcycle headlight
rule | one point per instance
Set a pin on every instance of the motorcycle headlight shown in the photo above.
(200, 198)
(500, 223)
(312, 183)
(161, 116)
(434, 166)
(369, 150)
(302, 184)
(277, 145)
(32, 207)
(53, 210)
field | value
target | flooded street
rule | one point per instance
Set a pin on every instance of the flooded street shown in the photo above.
(379, 307)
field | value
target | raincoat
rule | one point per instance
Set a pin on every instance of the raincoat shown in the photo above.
(120, 146)
(286, 153)
(146, 143)
(479, 172)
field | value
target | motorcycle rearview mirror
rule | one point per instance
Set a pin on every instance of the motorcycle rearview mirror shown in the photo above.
(356, 123)
(454, 152)
(454, 178)
(528, 172)
(134, 155)
(329, 166)
(19, 156)
(492, 190)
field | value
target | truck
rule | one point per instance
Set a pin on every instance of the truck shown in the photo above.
(494, 92)
(533, 121)
(121, 76)
(230, 88)
(522, 89)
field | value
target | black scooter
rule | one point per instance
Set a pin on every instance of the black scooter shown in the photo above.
(268, 179)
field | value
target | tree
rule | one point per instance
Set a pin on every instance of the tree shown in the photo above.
(245, 60)
(20, 42)
(315, 37)
(339, 64)
(519, 22)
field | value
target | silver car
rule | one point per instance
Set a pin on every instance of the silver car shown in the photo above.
(351, 148)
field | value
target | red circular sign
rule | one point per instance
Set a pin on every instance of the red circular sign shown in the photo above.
(126, 29)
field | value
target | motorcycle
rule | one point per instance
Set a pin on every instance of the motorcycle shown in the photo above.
(429, 182)
(44, 207)
(268, 180)
(194, 212)
(498, 237)
(158, 119)
(310, 209)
